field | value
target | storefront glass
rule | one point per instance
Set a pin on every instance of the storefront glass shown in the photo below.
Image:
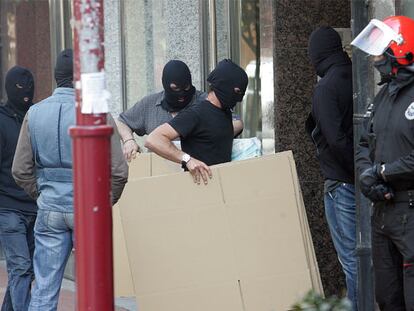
(25, 41)
(244, 34)
(156, 31)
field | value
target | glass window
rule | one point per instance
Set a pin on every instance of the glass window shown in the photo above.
(238, 38)
(25, 41)
(156, 31)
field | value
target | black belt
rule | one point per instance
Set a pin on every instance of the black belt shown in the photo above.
(404, 196)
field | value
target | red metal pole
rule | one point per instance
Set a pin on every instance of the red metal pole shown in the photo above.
(91, 163)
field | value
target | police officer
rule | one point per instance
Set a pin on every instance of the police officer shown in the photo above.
(385, 160)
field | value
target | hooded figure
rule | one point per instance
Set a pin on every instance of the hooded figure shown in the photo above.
(331, 127)
(19, 89)
(17, 209)
(176, 98)
(64, 69)
(325, 50)
(229, 83)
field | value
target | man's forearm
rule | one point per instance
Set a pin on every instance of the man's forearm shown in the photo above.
(162, 146)
(124, 131)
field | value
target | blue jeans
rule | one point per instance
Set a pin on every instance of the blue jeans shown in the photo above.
(54, 241)
(16, 238)
(340, 214)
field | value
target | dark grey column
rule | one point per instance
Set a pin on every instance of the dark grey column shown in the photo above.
(294, 81)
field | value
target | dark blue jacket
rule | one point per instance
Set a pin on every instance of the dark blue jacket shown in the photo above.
(12, 197)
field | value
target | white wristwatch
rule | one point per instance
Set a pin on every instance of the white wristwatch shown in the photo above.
(185, 159)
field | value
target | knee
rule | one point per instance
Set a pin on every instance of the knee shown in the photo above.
(23, 268)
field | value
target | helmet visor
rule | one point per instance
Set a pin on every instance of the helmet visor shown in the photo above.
(375, 38)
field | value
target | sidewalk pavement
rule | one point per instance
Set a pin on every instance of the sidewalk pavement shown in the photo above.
(67, 294)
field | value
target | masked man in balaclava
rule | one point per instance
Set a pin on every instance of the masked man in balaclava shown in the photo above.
(159, 108)
(44, 136)
(17, 209)
(330, 125)
(205, 129)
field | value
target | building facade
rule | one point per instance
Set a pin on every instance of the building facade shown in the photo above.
(266, 37)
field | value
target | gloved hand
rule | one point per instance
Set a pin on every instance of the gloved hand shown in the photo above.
(370, 177)
(379, 192)
(373, 185)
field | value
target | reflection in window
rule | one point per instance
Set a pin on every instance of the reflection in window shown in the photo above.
(156, 31)
(7, 42)
(249, 54)
(25, 41)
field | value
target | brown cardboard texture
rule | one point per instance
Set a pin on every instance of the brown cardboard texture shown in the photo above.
(239, 243)
(123, 284)
(145, 165)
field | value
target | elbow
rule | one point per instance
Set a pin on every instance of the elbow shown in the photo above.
(238, 127)
(149, 142)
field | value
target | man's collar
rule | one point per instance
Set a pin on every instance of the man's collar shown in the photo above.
(160, 99)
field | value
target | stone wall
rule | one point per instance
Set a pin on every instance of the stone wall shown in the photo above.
(294, 82)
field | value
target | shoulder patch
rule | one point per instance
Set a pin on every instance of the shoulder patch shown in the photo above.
(409, 113)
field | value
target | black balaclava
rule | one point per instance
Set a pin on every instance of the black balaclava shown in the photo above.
(397, 76)
(224, 79)
(177, 72)
(20, 89)
(64, 69)
(325, 49)
(384, 67)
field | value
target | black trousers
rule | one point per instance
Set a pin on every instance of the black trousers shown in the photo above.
(393, 255)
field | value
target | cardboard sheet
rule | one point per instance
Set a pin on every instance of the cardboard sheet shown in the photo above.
(240, 243)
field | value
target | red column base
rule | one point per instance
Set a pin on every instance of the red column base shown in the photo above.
(93, 217)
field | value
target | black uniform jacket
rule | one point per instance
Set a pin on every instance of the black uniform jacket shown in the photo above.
(389, 137)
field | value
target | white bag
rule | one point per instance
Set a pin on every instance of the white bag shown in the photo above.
(246, 148)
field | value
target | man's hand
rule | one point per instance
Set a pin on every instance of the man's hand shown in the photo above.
(199, 170)
(379, 192)
(130, 149)
(373, 185)
(371, 176)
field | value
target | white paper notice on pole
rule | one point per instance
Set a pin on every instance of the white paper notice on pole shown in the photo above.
(94, 95)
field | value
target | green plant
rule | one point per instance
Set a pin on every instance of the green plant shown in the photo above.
(315, 302)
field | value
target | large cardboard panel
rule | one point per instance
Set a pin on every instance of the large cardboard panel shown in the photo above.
(258, 178)
(144, 165)
(168, 193)
(124, 286)
(308, 243)
(160, 166)
(139, 167)
(183, 239)
(179, 249)
(264, 234)
(221, 297)
(275, 293)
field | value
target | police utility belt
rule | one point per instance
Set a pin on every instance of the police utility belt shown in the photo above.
(404, 196)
